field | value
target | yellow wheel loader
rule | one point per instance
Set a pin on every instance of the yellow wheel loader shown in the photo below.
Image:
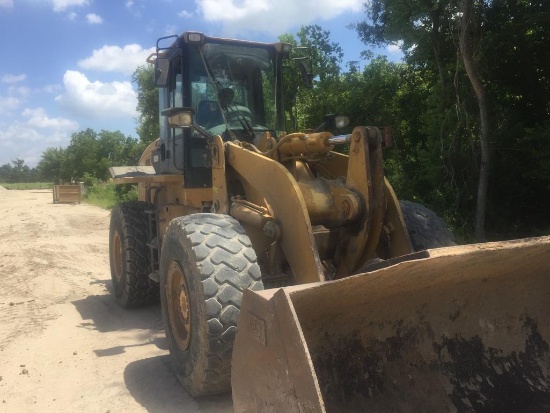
(291, 273)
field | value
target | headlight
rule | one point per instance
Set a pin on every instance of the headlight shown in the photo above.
(193, 37)
(341, 121)
(181, 120)
(179, 117)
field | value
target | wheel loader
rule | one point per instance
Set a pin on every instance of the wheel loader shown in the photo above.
(291, 274)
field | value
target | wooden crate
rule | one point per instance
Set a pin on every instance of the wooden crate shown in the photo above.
(66, 194)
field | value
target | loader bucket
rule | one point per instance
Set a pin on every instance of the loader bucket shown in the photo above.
(466, 329)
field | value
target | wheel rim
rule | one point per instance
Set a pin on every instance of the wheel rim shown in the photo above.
(179, 310)
(117, 256)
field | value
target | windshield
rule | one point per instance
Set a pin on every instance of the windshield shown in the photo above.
(232, 89)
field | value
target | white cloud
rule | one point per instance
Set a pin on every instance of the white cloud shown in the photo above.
(9, 103)
(13, 78)
(395, 48)
(136, 7)
(392, 48)
(20, 91)
(37, 118)
(223, 10)
(93, 18)
(16, 93)
(52, 88)
(62, 5)
(272, 16)
(185, 14)
(97, 100)
(6, 3)
(18, 133)
(72, 16)
(116, 59)
(28, 138)
(170, 30)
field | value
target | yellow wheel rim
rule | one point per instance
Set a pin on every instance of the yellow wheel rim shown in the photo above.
(117, 256)
(179, 310)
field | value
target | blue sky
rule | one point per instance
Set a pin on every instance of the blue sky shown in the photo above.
(67, 64)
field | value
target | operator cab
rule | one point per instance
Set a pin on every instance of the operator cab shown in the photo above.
(233, 88)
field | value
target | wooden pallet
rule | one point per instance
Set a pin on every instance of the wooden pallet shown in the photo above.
(66, 194)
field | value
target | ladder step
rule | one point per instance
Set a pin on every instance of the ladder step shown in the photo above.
(154, 243)
(155, 276)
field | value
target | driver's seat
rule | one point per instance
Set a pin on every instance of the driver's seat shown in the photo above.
(208, 113)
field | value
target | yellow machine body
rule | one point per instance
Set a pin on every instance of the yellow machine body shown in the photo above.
(351, 319)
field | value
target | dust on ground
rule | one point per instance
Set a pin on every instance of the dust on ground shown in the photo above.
(65, 344)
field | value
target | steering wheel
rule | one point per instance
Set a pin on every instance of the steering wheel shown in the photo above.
(226, 96)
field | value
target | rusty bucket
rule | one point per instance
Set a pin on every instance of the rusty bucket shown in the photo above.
(466, 329)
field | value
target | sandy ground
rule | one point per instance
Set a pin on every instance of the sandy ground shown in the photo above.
(65, 345)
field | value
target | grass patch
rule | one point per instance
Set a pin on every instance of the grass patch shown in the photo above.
(27, 185)
(106, 195)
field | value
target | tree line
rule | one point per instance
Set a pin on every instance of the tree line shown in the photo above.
(17, 171)
(88, 155)
(469, 108)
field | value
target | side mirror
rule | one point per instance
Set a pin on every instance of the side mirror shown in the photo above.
(162, 69)
(332, 122)
(305, 69)
(306, 75)
(341, 121)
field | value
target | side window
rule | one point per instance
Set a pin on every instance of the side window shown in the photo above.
(163, 121)
(204, 101)
(176, 94)
(175, 99)
(265, 83)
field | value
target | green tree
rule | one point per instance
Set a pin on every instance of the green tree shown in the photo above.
(21, 172)
(90, 154)
(115, 149)
(82, 155)
(305, 108)
(17, 172)
(469, 45)
(51, 165)
(6, 173)
(148, 104)
(484, 66)
(427, 32)
(515, 46)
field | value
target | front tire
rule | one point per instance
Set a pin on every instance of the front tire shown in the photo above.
(207, 262)
(129, 255)
(426, 229)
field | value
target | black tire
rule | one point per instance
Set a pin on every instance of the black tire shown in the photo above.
(207, 262)
(426, 229)
(129, 255)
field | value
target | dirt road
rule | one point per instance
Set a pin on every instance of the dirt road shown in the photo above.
(65, 345)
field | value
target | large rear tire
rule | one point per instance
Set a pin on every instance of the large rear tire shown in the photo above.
(129, 255)
(207, 261)
(426, 229)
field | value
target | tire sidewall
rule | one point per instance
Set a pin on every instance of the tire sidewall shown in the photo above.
(133, 288)
(117, 226)
(426, 229)
(189, 364)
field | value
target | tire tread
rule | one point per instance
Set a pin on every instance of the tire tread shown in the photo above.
(228, 266)
(134, 222)
(426, 229)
